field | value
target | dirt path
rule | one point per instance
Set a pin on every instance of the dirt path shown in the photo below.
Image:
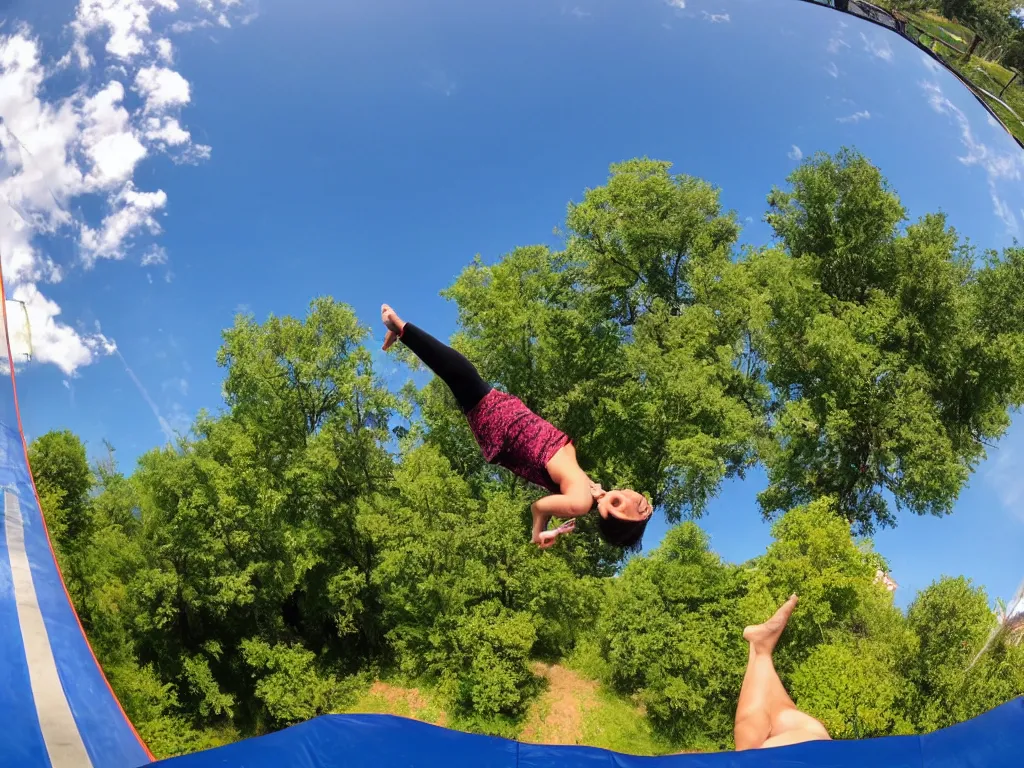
(557, 717)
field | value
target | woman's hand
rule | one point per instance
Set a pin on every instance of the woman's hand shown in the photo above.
(596, 490)
(547, 539)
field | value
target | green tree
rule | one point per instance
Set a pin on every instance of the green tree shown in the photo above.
(671, 630)
(250, 525)
(952, 620)
(289, 549)
(962, 10)
(634, 339)
(1013, 57)
(887, 375)
(467, 599)
(64, 479)
(855, 688)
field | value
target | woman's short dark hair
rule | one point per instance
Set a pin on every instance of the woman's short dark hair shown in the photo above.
(621, 533)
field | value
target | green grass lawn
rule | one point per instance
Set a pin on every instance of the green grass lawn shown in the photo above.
(574, 708)
(615, 723)
(946, 30)
(944, 37)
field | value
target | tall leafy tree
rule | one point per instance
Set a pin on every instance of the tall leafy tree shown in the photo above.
(64, 479)
(952, 620)
(633, 339)
(671, 630)
(888, 376)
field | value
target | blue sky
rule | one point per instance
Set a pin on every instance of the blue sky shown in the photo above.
(370, 149)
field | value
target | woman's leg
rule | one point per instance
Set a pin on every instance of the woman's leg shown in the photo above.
(451, 367)
(765, 715)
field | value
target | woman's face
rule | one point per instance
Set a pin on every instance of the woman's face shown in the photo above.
(625, 505)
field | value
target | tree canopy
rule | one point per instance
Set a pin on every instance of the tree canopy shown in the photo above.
(321, 531)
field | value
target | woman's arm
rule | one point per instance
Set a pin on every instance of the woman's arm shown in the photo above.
(556, 505)
(563, 505)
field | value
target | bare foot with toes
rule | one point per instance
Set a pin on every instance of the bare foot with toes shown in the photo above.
(763, 637)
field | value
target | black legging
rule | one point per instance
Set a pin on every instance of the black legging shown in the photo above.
(451, 367)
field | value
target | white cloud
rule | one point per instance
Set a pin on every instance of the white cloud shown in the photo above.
(223, 21)
(879, 47)
(126, 23)
(162, 88)
(835, 44)
(108, 139)
(930, 63)
(166, 131)
(37, 140)
(165, 50)
(680, 4)
(1003, 212)
(856, 117)
(832, 69)
(716, 18)
(579, 13)
(55, 342)
(38, 175)
(63, 141)
(155, 256)
(998, 166)
(184, 27)
(133, 211)
(795, 153)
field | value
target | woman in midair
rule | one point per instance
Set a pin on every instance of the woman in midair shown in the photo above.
(511, 435)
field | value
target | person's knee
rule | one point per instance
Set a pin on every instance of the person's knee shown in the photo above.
(792, 719)
(750, 731)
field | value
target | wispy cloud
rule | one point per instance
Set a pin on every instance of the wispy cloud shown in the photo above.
(856, 117)
(1003, 212)
(680, 4)
(165, 425)
(795, 153)
(878, 47)
(836, 44)
(998, 166)
(579, 13)
(930, 63)
(154, 256)
(716, 18)
(832, 69)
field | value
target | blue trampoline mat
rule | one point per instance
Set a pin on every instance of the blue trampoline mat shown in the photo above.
(992, 740)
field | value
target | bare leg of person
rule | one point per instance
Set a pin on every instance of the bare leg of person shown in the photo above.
(765, 715)
(451, 367)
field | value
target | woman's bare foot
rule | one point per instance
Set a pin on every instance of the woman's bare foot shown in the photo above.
(763, 637)
(393, 323)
